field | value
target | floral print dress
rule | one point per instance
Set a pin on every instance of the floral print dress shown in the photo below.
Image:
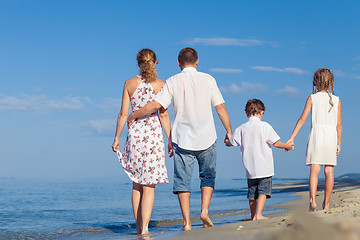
(144, 153)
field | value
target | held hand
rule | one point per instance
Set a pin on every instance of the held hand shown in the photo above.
(227, 140)
(170, 149)
(290, 141)
(338, 150)
(289, 146)
(115, 145)
(130, 120)
(227, 143)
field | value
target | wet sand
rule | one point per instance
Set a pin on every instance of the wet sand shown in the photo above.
(342, 221)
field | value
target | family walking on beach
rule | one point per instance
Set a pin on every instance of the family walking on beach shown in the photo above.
(192, 137)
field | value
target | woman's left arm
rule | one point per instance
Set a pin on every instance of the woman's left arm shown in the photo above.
(122, 117)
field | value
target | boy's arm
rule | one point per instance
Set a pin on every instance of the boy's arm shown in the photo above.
(286, 146)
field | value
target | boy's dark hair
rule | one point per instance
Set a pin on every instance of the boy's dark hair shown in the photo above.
(187, 56)
(253, 107)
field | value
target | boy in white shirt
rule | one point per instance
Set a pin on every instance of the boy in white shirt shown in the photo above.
(255, 139)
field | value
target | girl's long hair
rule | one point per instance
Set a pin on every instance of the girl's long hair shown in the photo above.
(324, 80)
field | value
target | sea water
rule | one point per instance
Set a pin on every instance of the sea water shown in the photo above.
(101, 209)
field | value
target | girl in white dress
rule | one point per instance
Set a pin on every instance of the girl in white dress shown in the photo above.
(144, 156)
(325, 134)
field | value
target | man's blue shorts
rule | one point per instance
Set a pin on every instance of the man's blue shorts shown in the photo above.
(184, 163)
(259, 186)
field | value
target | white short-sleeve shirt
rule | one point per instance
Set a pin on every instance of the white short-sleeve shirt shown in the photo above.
(192, 93)
(255, 138)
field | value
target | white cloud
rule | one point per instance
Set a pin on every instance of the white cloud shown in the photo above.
(294, 70)
(221, 41)
(37, 89)
(226, 70)
(110, 104)
(273, 69)
(339, 73)
(100, 126)
(356, 58)
(41, 103)
(267, 69)
(244, 87)
(290, 91)
(356, 76)
(223, 89)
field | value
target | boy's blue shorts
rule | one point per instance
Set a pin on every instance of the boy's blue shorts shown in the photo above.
(259, 186)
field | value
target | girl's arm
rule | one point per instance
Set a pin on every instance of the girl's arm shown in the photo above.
(301, 120)
(166, 125)
(287, 146)
(339, 130)
(122, 117)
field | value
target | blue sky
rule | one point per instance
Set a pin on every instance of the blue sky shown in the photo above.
(63, 65)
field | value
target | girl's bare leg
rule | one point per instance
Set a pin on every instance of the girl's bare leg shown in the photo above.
(314, 173)
(329, 184)
(137, 193)
(147, 203)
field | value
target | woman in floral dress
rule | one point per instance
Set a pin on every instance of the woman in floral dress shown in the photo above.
(144, 155)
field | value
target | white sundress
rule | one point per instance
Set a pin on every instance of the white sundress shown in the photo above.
(322, 142)
(144, 154)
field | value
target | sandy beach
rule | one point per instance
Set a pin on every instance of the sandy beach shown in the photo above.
(342, 221)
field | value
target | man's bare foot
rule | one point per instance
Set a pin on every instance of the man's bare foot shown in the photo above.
(206, 221)
(259, 217)
(145, 233)
(312, 206)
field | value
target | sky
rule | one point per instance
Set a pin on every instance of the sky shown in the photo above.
(63, 65)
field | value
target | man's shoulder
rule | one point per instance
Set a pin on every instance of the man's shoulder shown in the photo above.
(205, 75)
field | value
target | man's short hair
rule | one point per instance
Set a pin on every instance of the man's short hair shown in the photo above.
(187, 56)
(253, 107)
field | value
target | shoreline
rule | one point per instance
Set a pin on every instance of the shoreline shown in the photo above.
(342, 221)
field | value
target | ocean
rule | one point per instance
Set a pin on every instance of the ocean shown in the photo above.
(101, 209)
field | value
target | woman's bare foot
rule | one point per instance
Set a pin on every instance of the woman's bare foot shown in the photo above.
(312, 206)
(206, 221)
(186, 228)
(259, 217)
(327, 207)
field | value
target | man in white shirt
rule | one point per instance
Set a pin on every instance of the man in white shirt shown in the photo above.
(255, 138)
(193, 132)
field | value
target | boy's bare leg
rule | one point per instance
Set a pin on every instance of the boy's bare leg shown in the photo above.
(206, 194)
(329, 184)
(136, 197)
(259, 208)
(147, 202)
(184, 200)
(252, 204)
(314, 172)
